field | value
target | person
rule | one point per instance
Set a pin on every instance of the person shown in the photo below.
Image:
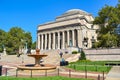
(61, 54)
(18, 55)
(41, 60)
(29, 51)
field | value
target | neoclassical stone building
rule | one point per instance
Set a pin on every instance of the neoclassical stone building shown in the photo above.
(74, 28)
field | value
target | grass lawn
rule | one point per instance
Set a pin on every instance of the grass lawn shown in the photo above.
(41, 78)
(95, 66)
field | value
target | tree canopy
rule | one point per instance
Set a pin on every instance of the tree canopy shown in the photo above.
(108, 18)
(14, 39)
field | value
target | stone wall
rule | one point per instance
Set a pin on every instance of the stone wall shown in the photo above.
(103, 54)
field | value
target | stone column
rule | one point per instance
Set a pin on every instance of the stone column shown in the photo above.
(38, 42)
(49, 41)
(63, 40)
(73, 38)
(46, 41)
(58, 40)
(42, 42)
(80, 38)
(68, 38)
(54, 40)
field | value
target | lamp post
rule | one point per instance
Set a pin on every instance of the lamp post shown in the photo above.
(85, 42)
(93, 43)
(26, 46)
(3, 47)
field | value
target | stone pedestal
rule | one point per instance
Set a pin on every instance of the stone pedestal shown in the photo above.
(4, 51)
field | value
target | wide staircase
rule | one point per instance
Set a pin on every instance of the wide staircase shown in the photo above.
(52, 58)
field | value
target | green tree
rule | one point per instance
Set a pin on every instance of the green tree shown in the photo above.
(83, 56)
(14, 39)
(109, 40)
(108, 18)
(2, 39)
(17, 39)
(28, 39)
(33, 45)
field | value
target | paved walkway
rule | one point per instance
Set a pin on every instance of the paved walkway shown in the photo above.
(114, 73)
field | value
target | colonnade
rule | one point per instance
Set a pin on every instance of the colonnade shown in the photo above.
(58, 40)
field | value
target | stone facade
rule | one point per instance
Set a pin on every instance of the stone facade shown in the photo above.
(74, 28)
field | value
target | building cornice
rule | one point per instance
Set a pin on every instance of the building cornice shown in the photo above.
(82, 17)
(59, 27)
(66, 15)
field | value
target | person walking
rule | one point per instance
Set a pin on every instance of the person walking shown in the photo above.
(61, 54)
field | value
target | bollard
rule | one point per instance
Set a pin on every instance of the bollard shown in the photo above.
(16, 72)
(98, 77)
(31, 73)
(103, 75)
(85, 73)
(45, 72)
(58, 71)
(6, 72)
(69, 73)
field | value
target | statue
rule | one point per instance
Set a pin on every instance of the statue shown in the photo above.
(4, 50)
(70, 43)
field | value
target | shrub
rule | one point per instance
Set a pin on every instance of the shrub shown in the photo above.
(10, 51)
(74, 52)
(66, 52)
(1, 50)
(83, 56)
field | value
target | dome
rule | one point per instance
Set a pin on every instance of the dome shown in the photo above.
(76, 11)
(73, 13)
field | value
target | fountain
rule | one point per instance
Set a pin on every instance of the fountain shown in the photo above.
(37, 57)
(37, 65)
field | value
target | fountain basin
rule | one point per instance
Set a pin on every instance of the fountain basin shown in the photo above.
(32, 67)
(37, 58)
(37, 55)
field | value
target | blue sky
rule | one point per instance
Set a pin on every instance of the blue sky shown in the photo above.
(28, 14)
